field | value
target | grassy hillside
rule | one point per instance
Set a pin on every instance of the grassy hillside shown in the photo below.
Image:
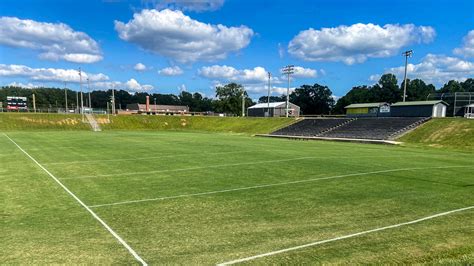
(31, 121)
(199, 123)
(20, 121)
(454, 133)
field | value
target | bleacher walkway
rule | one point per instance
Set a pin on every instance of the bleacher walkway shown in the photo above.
(367, 129)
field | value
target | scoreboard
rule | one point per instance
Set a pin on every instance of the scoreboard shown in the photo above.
(16, 103)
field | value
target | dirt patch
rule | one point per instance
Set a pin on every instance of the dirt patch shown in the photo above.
(440, 134)
(66, 121)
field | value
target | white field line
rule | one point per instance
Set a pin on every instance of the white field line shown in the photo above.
(190, 168)
(345, 236)
(273, 185)
(52, 148)
(146, 158)
(222, 166)
(111, 231)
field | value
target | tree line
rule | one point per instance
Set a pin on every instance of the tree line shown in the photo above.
(313, 99)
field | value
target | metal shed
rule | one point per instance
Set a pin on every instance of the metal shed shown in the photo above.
(368, 109)
(276, 109)
(419, 109)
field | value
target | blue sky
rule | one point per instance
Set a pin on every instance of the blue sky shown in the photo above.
(166, 46)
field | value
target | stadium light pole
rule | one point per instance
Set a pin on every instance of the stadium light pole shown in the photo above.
(77, 101)
(82, 98)
(243, 102)
(407, 54)
(288, 70)
(268, 96)
(113, 99)
(89, 89)
(65, 96)
(34, 103)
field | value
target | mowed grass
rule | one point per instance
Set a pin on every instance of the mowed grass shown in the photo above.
(202, 198)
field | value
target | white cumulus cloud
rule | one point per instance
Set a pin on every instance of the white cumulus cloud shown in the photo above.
(23, 85)
(54, 41)
(186, 5)
(177, 36)
(355, 43)
(437, 69)
(467, 49)
(275, 90)
(171, 71)
(49, 74)
(140, 67)
(301, 72)
(131, 85)
(228, 73)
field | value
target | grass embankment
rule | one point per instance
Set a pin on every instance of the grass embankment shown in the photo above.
(455, 133)
(245, 125)
(31, 121)
(248, 126)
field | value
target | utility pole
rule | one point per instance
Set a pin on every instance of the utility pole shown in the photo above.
(113, 99)
(288, 70)
(89, 89)
(154, 100)
(82, 98)
(65, 95)
(407, 54)
(243, 102)
(34, 102)
(77, 102)
(268, 97)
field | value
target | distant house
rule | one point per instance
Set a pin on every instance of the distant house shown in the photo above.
(142, 108)
(419, 109)
(276, 109)
(368, 109)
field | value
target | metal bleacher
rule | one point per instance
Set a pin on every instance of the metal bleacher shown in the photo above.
(311, 127)
(374, 128)
(370, 128)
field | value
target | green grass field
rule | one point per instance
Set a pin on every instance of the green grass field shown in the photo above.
(207, 198)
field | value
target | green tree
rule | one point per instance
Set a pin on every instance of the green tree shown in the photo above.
(229, 99)
(468, 85)
(315, 99)
(387, 90)
(273, 99)
(359, 94)
(452, 86)
(418, 90)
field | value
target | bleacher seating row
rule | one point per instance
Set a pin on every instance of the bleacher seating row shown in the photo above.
(375, 128)
(310, 127)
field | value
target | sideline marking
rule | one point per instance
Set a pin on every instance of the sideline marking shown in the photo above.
(344, 237)
(137, 257)
(227, 165)
(275, 184)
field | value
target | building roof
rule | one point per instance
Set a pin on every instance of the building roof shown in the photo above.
(469, 105)
(158, 107)
(417, 103)
(364, 105)
(266, 105)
